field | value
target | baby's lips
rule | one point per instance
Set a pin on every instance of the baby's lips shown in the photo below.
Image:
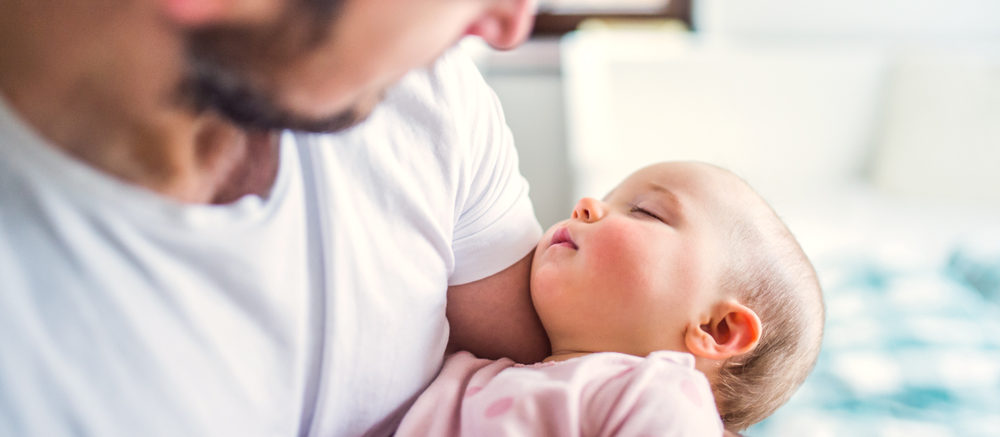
(562, 237)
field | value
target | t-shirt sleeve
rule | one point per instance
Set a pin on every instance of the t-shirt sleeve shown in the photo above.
(495, 222)
(652, 400)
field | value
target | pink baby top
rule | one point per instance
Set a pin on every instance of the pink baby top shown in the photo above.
(601, 394)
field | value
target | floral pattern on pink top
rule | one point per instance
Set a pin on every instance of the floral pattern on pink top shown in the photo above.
(600, 394)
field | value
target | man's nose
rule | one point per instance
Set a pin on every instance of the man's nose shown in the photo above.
(589, 210)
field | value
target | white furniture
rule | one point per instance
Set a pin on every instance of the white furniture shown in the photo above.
(796, 119)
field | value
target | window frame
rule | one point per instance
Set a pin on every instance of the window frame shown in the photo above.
(555, 23)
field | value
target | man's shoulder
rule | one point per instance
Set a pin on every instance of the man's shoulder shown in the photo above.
(450, 89)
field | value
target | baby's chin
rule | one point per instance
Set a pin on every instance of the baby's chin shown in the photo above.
(544, 279)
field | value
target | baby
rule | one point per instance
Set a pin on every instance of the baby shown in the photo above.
(679, 305)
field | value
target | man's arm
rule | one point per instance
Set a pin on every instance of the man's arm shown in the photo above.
(493, 317)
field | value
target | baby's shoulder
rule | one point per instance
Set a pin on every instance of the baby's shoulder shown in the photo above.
(661, 391)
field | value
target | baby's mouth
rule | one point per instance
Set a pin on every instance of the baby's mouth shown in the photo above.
(562, 238)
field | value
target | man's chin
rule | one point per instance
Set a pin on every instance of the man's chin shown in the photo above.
(273, 119)
(341, 121)
(229, 95)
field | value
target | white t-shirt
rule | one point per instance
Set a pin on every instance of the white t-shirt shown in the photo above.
(318, 310)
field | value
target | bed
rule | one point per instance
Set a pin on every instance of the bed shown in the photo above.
(913, 312)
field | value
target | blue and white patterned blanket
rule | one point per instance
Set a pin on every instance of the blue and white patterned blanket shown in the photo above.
(908, 350)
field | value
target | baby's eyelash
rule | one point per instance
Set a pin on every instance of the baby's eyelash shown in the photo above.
(636, 208)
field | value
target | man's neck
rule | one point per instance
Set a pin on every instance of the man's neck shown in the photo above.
(101, 83)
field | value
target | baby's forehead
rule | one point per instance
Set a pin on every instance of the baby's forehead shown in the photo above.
(718, 194)
(693, 180)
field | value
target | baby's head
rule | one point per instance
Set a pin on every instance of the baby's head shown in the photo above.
(686, 257)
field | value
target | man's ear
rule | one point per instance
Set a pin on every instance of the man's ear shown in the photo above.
(731, 329)
(505, 23)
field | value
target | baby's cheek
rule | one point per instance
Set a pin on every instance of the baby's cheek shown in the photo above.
(625, 257)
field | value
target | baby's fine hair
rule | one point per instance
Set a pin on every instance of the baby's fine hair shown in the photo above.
(769, 273)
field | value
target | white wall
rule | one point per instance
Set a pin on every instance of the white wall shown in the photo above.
(925, 20)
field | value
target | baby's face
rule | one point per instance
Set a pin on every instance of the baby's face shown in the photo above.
(631, 272)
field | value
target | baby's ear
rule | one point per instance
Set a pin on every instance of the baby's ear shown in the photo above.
(732, 329)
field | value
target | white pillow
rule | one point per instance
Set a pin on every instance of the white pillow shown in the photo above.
(941, 138)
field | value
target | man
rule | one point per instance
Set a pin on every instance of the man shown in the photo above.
(175, 260)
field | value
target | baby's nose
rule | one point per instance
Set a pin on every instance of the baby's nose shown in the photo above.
(588, 210)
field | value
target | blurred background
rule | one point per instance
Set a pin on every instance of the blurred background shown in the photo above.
(872, 126)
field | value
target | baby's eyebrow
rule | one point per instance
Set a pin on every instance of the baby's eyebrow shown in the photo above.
(670, 197)
(673, 208)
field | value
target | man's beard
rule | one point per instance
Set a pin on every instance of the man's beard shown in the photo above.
(218, 73)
